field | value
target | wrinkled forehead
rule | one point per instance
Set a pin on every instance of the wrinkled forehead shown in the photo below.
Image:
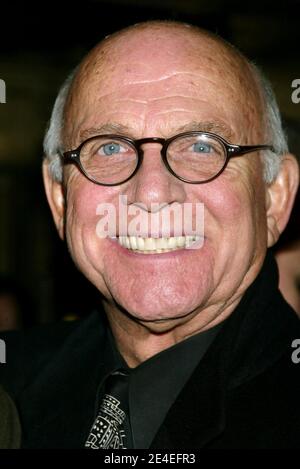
(138, 65)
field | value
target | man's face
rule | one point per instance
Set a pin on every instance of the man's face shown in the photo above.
(156, 85)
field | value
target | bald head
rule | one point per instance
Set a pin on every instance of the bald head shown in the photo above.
(156, 51)
(161, 50)
(155, 40)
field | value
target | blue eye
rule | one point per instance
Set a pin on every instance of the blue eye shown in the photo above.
(111, 148)
(201, 147)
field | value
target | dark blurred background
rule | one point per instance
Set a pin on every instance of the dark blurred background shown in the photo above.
(39, 45)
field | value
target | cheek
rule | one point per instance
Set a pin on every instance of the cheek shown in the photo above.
(235, 204)
(83, 200)
(224, 206)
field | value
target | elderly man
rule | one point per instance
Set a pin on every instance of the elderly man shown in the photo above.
(194, 346)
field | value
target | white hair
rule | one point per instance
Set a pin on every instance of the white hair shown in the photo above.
(274, 134)
(53, 144)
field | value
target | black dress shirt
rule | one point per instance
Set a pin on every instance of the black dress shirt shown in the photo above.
(155, 384)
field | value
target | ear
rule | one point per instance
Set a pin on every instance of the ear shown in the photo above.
(56, 199)
(280, 195)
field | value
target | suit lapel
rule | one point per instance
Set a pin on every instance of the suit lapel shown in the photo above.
(61, 414)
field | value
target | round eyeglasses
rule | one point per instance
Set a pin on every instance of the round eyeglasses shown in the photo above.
(193, 157)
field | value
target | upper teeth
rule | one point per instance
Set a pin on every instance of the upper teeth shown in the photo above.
(138, 243)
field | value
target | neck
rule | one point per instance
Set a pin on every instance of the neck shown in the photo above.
(138, 340)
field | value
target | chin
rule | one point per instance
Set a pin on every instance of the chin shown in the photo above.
(159, 313)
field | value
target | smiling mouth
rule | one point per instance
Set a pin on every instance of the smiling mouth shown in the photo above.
(143, 245)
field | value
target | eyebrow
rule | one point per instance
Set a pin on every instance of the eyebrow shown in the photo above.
(109, 128)
(214, 127)
(114, 128)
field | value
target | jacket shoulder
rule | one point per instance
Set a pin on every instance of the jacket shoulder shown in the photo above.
(28, 351)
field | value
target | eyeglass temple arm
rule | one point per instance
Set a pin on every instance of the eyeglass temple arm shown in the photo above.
(238, 150)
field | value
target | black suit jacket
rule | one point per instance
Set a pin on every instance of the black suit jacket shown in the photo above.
(243, 394)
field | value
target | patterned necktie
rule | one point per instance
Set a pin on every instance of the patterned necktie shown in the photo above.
(110, 429)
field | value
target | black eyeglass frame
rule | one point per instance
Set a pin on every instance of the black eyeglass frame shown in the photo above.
(231, 150)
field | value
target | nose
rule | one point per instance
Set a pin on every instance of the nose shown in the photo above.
(153, 183)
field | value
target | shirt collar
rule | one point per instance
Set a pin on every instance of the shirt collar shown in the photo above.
(155, 384)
